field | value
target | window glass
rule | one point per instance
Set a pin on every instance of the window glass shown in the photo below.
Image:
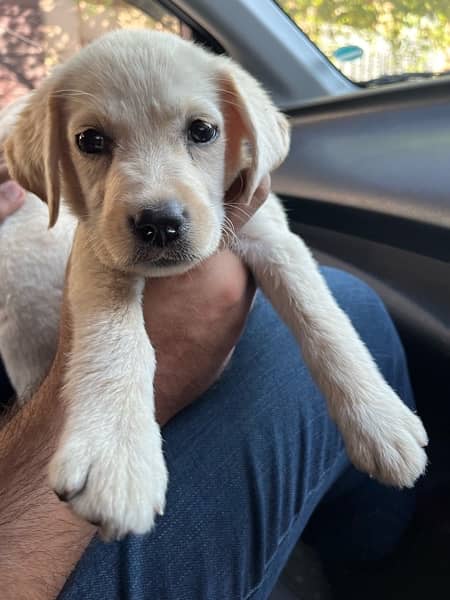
(38, 34)
(378, 41)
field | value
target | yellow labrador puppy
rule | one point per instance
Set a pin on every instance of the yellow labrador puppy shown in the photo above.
(141, 133)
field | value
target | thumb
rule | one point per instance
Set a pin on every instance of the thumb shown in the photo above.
(12, 197)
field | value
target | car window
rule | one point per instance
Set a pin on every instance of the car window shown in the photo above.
(37, 35)
(376, 41)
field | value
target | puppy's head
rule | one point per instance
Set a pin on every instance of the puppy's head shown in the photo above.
(142, 133)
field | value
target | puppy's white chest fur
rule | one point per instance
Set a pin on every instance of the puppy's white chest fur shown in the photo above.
(32, 266)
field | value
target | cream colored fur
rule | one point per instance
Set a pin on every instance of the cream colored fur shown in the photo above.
(142, 88)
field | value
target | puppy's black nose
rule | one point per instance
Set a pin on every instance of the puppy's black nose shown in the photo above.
(161, 225)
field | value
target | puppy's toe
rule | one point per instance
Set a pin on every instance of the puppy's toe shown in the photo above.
(67, 495)
(119, 491)
(386, 440)
(417, 429)
(68, 479)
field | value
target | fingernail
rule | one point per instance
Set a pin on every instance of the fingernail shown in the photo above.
(12, 193)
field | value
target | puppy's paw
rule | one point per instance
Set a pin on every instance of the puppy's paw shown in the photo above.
(120, 487)
(386, 440)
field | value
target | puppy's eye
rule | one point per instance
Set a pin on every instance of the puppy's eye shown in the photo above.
(202, 132)
(91, 141)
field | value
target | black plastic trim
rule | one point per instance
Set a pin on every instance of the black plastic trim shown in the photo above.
(366, 99)
(398, 232)
(200, 34)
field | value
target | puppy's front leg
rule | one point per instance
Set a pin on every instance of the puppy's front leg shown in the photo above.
(109, 463)
(382, 436)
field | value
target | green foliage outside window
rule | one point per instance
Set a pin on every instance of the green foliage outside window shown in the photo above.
(396, 36)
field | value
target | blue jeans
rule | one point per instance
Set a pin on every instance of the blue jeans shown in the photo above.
(249, 463)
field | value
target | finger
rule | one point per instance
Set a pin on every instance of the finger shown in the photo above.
(239, 212)
(4, 175)
(12, 197)
(234, 192)
(261, 193)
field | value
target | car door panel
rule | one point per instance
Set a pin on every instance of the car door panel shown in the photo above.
(367, 185)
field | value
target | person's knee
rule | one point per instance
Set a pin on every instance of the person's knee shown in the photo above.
(362, 305)
(353, 293)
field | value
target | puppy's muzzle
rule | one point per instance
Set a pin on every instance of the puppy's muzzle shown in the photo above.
(162, 225)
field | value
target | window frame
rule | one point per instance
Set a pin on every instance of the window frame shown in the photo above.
(261, 36)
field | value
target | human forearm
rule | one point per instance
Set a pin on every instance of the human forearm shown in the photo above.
(40, 539)
(12, 195)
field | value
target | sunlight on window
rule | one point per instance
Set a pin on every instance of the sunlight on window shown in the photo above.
(375, 39)
(38, 34)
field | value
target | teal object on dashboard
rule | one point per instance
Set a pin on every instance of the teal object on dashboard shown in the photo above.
(348, 53)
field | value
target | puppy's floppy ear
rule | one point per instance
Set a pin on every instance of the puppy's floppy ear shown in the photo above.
(33, 149)
(257, 133)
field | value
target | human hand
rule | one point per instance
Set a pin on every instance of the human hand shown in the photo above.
(239, 212)
(12, 196)
(195, 320)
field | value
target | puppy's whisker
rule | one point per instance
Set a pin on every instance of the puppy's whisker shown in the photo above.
(228, 231)
(228, 221)
(226, 99)
(230, 103)
(229, 238)
(234, 205)
(76, 96)
(237, 208)
(71, 93)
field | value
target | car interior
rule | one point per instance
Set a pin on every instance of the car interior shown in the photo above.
(367, 186)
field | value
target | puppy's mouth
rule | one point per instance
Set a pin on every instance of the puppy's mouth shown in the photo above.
(153, 257)
(169, 262)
